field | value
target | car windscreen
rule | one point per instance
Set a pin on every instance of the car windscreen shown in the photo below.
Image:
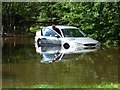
(72, 33)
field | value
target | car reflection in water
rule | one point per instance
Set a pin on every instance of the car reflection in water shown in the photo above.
(53, 53)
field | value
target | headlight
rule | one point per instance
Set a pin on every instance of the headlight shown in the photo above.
(79, 44)
(98, 44)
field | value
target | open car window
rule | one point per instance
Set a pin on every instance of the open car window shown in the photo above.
(49, 32)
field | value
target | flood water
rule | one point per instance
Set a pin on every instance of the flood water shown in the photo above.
(22, 67)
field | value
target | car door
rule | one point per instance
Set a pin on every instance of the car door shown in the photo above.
(50, 37)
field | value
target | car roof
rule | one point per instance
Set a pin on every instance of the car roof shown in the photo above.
(62, 27)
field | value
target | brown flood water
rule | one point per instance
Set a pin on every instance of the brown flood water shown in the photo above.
(21, 66)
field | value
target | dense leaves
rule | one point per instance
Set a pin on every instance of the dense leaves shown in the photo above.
(98, 20)
(17, 17)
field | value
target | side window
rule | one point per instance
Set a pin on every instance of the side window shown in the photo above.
(49, 32)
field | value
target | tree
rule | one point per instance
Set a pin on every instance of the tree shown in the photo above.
(97, 19)
(17, 17)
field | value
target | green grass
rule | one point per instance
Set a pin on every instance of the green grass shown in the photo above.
(110, 85)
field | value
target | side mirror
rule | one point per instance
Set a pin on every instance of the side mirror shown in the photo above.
(85, 35)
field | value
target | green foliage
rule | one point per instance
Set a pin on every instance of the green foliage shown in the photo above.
(97, 19)
(18, 17)
(34, 28)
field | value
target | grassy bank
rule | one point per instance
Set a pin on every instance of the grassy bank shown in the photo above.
(109, 85)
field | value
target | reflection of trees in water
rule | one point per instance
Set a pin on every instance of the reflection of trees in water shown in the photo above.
(13, 53)
(100, 66)
(76, 69)
(16, 50)
(24, 40)
(107, 64)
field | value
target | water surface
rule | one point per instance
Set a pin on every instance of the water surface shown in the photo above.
(22, 67)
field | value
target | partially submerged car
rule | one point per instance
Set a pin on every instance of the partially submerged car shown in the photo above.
(56, 53)
(67, 37)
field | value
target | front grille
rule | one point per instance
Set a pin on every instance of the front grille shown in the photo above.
(92, 44)
(90, 48)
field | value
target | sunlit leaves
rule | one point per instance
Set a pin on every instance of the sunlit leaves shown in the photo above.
(100, 20)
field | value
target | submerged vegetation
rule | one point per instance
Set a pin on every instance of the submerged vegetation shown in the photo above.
(97, 19)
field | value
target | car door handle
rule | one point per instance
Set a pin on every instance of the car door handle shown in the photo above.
(44, 38)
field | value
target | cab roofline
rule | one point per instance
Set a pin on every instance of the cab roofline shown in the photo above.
(62, 27)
